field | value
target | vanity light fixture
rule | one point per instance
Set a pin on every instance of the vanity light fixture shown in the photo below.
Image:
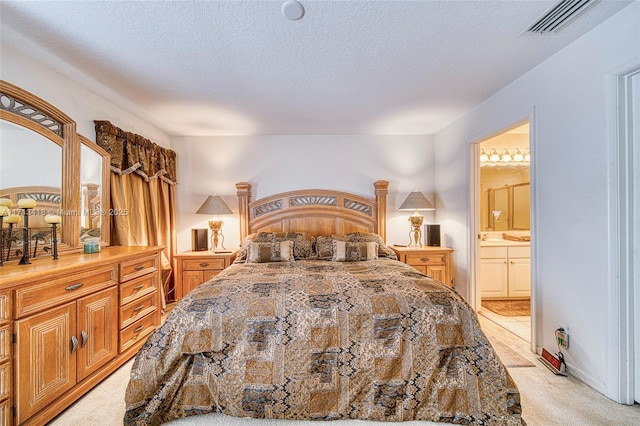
(505, 157)
(215, 205)
(416, 201)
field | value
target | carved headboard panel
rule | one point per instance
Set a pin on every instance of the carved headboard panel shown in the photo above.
(315, 211)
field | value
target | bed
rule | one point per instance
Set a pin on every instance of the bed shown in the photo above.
(316, 320)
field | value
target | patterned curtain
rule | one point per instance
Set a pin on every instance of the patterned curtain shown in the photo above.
(143, 178)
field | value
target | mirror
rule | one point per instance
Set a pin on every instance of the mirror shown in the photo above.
(506, 208)
(94, 192)
(521, 212)
(46, 164)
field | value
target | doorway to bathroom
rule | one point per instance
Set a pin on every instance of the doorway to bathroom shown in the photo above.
(503, 263)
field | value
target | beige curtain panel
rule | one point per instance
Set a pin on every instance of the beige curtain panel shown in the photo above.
(143, 176)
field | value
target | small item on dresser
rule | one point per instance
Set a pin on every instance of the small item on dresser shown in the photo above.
(92, 245)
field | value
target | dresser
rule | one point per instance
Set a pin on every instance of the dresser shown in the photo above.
(195, 267)
(66, 324)
(432, 261)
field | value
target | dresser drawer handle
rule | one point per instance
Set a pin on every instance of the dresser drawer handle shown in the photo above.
(85, 338)
(139, 268)
(138, 287)
(138, 308)
(424, 259)
(74, 344)
(204, 264)
(138, 329)
(74, 287)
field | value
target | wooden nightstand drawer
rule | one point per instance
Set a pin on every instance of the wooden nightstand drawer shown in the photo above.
(49, 293)
(195, 267)
(203, 264)
(139, 287)
(138, 267)
(137, 331)
(137, 309)
(426, 259)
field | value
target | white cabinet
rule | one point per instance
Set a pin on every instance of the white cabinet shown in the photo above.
(505, 271)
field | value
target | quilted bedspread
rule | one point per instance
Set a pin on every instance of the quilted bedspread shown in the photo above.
(321, 340)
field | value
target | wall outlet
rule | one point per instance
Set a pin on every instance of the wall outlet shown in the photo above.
(562, 336)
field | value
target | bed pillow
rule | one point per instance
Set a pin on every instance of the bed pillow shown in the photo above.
(353, 252)
(323, 246)
(383, 250)
(272, 251)
(302, 242)
(241, 256)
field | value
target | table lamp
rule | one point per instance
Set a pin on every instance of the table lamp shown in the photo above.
(215, 205)
(416, 201)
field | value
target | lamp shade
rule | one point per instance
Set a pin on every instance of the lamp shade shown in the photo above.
(416, 201)
(214, 204)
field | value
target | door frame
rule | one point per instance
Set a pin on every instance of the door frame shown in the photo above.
(623, 304)
(473, 220)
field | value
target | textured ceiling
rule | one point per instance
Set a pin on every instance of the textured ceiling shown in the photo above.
(242, 68)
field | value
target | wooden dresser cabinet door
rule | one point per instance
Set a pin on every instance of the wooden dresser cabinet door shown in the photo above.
(45, 365)
(191, 280)
(97, 330)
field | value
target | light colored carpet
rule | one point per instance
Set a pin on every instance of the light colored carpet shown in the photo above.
(547, 400)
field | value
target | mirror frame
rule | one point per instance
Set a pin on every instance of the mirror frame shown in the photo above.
(38, 115)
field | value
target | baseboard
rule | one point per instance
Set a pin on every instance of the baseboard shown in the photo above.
(585, 378)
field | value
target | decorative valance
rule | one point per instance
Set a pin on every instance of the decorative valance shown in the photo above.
(134, 153)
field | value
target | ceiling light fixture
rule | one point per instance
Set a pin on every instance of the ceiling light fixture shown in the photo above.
(292, 10)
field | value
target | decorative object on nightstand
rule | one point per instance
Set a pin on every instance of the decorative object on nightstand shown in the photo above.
(416, 201)
(215, 205)
(199, 240)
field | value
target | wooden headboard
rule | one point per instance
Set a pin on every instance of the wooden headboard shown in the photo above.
(315, 211)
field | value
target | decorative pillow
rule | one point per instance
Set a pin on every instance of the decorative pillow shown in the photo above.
(383, 250)
(273, 251)
(324, 246)
(241, 257)
(302, 242)
(353, 252)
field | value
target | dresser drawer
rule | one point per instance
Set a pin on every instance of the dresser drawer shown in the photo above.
(202, 264)
(49, 293)
(137, 288)
(135, 310)
(137, 331)
(137, 267)
(427, 259)
(5, 380)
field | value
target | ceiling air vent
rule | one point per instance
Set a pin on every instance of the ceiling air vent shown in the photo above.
(559, 16)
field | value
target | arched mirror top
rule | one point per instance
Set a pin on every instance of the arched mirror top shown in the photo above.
(21, 108)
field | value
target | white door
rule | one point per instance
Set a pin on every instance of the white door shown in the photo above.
(493, 277)
(519, 277)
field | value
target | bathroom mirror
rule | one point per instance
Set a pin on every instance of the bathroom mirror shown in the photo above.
(520, 206)
(506, 208)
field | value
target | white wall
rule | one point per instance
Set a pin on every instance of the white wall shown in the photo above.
(272, 164)
(76, 101)
(570, 95)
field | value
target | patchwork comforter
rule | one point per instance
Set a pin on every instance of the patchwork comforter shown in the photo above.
(371, 340)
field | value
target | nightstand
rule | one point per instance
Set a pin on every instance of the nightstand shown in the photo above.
(432, 261)
(195, 267)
